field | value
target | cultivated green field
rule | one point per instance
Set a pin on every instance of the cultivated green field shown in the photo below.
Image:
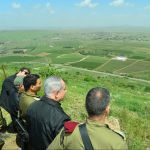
(90, 49)
(137, 67)
(114, 65)
(90, 62)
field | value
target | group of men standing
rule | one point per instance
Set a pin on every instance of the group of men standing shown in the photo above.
(46, 122)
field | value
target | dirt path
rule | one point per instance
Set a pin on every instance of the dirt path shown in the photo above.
(68, 63)
(99, 67)
(92, 71)
(108, 74)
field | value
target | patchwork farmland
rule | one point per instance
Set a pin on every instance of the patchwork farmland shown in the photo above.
(93, 50)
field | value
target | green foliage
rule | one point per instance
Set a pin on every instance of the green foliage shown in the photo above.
(47, 71)
(147, 88)
(77, 73)
(136, 128)
(89, 79)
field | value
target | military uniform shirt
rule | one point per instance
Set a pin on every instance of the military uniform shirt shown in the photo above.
(25, 101)
(101, 136)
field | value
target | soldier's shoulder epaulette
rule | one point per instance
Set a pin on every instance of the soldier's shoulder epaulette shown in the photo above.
(69, 126)
(119, 132)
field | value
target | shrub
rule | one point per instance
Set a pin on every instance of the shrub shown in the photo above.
(89, 79)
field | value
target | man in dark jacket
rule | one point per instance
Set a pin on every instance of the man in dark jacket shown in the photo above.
(8, 86)
(15, 97)
(46, 117)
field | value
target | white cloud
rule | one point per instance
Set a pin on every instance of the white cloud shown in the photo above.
(147, 7)
(87, 3)
(16, 5)
(45, 7)
(120, 3)
(49, 8)
(48, 4)
(117, 3)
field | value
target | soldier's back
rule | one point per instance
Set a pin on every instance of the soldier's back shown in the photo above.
(101, 136)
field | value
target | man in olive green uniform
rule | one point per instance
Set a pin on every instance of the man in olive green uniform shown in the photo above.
(100, 134)
(32, 84)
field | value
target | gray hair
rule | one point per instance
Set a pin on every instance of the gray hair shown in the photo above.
(51, 84)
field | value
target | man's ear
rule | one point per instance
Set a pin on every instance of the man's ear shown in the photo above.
(21, 87)
(32, 87)
(56, 95)
(107, 110)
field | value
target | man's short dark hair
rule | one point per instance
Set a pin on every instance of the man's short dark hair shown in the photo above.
(29, 80)
(97, 100)
(24, 68)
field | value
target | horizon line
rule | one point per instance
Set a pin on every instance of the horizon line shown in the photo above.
(74, 27)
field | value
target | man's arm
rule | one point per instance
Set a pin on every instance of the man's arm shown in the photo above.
(57, 143)
(59, 124)
(7, 86)
(64, 137)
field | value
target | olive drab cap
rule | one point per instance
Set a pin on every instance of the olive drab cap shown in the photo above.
(18, 80)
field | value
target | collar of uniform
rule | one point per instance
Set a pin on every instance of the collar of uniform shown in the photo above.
(95, 123)
(30, 94)
(50, 101)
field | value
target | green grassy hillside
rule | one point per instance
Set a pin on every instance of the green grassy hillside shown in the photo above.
(130, 100)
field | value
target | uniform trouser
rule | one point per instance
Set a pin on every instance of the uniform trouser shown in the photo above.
(2, 124)
(1, 143)
(2, 120)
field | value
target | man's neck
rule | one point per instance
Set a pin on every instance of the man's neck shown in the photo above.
(52, 97)
(101, 119)
(31, 92)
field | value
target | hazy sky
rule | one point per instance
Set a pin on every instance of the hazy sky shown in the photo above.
(73, 13)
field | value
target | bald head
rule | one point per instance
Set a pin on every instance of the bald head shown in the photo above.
(97, 100)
